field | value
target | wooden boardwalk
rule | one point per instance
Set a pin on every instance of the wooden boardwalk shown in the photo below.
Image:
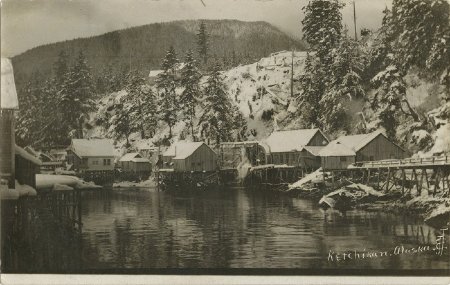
(410, 176)
(425, 162)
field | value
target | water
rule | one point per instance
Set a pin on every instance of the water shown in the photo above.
(231, 228)
(238, 228)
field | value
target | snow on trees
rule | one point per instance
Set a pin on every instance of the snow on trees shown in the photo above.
(167, 84)
(190, 82)
(144, 110)
(75, 97)
(216, 122)
(202, 43)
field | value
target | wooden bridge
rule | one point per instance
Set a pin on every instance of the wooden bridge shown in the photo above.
(411, 175)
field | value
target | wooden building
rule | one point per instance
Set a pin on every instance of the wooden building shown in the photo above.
(135, 163)
(296, 148)
(336, 156)
(93, 155)
(346, 150)
(15, 162)
(190, 157)
(8, 105)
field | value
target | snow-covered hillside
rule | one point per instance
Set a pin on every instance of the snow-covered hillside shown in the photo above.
(260, 90)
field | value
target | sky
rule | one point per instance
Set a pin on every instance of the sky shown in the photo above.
(29, 23)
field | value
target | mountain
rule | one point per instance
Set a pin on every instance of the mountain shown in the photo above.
(143, 47)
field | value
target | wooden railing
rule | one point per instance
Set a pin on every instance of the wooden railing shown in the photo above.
(433, 160)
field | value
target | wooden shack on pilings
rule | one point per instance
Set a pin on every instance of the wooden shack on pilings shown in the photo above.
(289, 155)
(298, 148)
(189, 164)
(347, 150)
(134, 166)
(92, 159)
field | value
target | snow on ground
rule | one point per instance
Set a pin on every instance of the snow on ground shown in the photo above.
(150, 183)
(441, 209)
(256, 89)
(57, 182)
(442, 140)
(315, 176)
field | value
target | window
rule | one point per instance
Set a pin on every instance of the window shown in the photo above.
(95, 162)
(287, 158)
(343, 159)
(106, 161)
(371, 158)
(281, 158)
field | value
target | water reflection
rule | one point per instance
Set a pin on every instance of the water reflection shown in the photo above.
(235, 228)
(240, 228)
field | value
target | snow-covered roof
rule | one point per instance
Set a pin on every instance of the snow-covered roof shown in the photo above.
(336, 148)
(357, 142)
(130, 156)
(286, 141)
(314, 150)
(8, 98)
(140, 159)
(26, 155)
(93, 147)
(182, 149)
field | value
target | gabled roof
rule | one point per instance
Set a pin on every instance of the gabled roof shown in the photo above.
(182, 149)
(357, 142)
(336, 148)
(314, 150)
(93, 147)
(130, 156)
(8, 98)
(294, 140)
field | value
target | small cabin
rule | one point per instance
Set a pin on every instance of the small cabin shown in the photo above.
(91, 155)
(135, 163)
(190, 156)
(296, 147)
(336, 156)
(346, 150)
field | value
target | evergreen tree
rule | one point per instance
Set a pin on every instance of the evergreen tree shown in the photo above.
(322, 26)
(388, 99)
(422, 26)
(143, 108)
(202, 43)
(345, 86)
(167, 84)
(313, 87)
(190, 82)
(75, 97)
(61, 68)
(121, 122)
(216, 122)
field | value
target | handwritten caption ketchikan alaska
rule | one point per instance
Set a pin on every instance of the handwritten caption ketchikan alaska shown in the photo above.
(438, 248)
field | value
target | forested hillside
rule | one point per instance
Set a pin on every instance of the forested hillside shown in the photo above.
(395, 79)
(142, 48)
